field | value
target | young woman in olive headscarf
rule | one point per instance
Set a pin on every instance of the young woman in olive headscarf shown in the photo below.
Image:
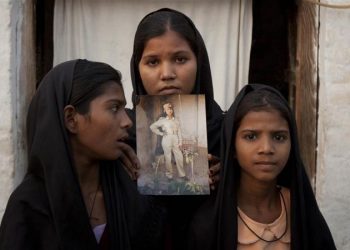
(264, 199)
(76, 194)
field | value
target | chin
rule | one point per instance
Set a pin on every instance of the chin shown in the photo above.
(117, 155)
(267, 178)
(111, 157)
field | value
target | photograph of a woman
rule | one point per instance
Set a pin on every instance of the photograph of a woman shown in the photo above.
(172, 145)
(169, 128)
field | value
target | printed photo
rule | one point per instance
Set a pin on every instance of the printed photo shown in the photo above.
(172, 145)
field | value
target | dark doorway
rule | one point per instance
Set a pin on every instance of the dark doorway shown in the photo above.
(270, 61)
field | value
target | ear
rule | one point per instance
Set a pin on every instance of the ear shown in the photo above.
(70, 118)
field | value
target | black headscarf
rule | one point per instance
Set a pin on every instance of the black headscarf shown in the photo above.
(203, 84)
(47, 210)
(180, 209)
(215, 224)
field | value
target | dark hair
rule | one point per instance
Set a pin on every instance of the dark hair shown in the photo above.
(265, 100)
(260, 100)
(158, 23)
(89, 81)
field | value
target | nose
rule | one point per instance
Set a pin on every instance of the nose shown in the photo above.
(167, 71)
(266, 146)
(126, 121)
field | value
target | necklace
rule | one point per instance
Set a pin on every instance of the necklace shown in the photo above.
(285, 230)
(93, 204)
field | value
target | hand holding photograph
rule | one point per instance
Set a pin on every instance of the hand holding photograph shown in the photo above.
(172, 145)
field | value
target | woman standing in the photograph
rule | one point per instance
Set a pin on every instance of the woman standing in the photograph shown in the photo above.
(169, 128)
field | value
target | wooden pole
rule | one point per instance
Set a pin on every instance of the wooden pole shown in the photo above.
(306, 84)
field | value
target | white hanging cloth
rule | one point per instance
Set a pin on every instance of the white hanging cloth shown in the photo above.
(103, 30)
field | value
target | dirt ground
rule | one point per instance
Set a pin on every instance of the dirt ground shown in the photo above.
(154, 182)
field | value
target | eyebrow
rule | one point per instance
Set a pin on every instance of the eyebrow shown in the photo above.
(154, 54)
(150, 55)
(120, 102)
(274, 131)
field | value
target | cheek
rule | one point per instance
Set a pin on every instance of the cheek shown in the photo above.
(148, 79)
(242, 153)
(192, 75)
(149, 88)
(187, 76)
(103, 129)
(108, 140)
(286, 153)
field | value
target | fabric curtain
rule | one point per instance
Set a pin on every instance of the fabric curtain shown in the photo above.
(104, 30)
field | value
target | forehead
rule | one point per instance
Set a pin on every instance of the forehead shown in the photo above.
(170, 41)
(264, 119)
(111, 91)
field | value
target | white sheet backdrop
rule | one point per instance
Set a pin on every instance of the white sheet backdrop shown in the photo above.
(103, 30)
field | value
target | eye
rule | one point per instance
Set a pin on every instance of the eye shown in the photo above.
(152, 62)
(250, 137)
(280, 137)
(181, 59)
(115, 108)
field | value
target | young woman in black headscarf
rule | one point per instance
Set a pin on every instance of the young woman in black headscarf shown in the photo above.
(155, 25)
(264, 199)
(75, 194)
(169, 57)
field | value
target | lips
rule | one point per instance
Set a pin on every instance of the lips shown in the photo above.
(169, 91)
(265, 165)
(123, 138)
